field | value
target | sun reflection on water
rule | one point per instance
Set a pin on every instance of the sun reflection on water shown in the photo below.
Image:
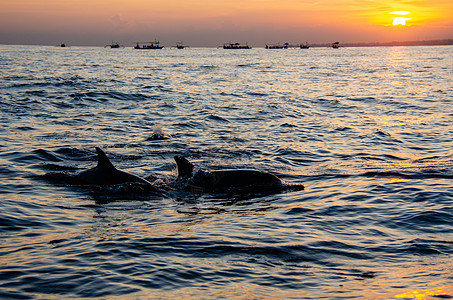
(441, 292)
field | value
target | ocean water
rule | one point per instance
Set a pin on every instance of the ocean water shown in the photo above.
(368, 131)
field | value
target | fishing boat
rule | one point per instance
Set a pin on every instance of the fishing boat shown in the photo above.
(235, 46)
(336, 45)
(278, 46)
(305, 46)
(180, 45)
(148, 45)
(113, 45)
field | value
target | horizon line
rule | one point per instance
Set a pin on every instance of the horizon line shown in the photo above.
(436, 42)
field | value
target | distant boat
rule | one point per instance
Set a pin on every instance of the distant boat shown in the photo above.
(113, 45)
(235, 46)
(62, 45)
(148, 45)
(180, 45)
(278, 46)
(336, 45)
(304, 46)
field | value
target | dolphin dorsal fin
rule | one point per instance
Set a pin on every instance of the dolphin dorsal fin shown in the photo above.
(185, 167)
(103, 160)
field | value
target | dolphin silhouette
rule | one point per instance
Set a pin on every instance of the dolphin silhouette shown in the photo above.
(106, 174)
(229, 180)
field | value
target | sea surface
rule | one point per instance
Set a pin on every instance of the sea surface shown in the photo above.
(368, 131)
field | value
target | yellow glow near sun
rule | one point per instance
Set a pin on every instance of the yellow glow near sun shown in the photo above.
(400, 20)
(401, 13)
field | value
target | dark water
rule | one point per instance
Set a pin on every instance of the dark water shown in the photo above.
(368, 131)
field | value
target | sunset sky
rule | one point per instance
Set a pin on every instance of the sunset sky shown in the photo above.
(210, 23)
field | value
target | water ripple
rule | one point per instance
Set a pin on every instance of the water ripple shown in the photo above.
(369, 138)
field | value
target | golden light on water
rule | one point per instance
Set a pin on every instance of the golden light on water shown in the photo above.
(444, 292)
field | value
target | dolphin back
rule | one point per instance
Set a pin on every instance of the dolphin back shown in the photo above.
(230, 180)
(240, 180)
(105, 173)
(103, 160)
(184, 167)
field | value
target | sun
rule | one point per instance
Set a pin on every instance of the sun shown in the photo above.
(399, 20)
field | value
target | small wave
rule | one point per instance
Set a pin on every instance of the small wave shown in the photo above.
(248, 65)
(419, 247)
(333, 104)
(188, 124)
(434, 157)
(363, 99)
(257, 94)
(16, 223)
(392, 174)
(207, 67)
(288, 125)
(299, 211)
(393, 157)
(381, 132)
(36, 156)
(231, 95)
(343, 128)
(25, 128)
(381, 136)
(106, 96)
(217, 119)
(422, 249)
(427, 218)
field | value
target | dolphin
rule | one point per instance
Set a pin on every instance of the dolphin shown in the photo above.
(229, 180)
(106, 174)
